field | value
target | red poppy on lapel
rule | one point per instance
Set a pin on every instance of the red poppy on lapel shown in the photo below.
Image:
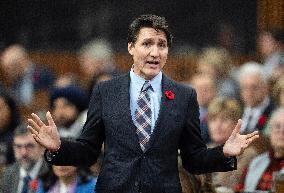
(34, 185)
(262, 120)
(170, 95)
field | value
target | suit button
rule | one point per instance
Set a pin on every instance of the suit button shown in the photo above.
(136, 184)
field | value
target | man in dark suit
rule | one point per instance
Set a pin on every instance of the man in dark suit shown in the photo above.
(29, 163)
(142, 118)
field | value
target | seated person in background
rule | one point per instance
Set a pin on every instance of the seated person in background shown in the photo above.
(9, 120)
(255, 96)
(270, 44)
(69, 108)
(67, 79)
(258, 176)
(222, 114)
(66, 179)
(28, 166)
(96, 58)
(206, 90)
(216, 62)
(22, 75)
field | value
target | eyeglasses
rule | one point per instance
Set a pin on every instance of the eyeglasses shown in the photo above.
(27, 146)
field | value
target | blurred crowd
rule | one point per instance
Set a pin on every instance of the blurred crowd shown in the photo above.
(252, 91)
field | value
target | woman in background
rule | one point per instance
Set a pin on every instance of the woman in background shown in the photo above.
(66, 179)
(223, 112)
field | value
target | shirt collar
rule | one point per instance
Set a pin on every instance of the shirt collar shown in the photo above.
(139, 81)
(34, 171)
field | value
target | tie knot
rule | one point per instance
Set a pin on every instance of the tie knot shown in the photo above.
(146, 86)
(27, 178)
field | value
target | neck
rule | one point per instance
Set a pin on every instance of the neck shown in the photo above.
(67, 180)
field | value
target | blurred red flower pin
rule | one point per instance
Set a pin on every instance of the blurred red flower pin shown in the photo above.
(170, 95)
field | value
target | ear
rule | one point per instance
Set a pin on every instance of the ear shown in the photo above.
(130, 47)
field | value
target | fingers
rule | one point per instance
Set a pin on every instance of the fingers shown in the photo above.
(37, 120)
(251, 134)
(33, 125)
(37, 139)
(238, 127)
(32, 130)
(50, 119)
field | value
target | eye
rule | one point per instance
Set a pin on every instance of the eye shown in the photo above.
(146, 44)
(162, 45)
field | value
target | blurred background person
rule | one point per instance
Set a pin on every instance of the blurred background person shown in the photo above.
(96, 58)
(67, 79)
(69, 109)
(279, 91)
(206, 90)
(66, 179)
(258, 176)
(257, 103)
(223, 112)
(22, 75)
(216, 62)
(9, 120)
(29, 163)
(270, 44)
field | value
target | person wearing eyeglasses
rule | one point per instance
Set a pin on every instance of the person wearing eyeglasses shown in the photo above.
(259, 174)
(29, 163)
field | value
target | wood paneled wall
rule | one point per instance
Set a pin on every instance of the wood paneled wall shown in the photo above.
(270, 13)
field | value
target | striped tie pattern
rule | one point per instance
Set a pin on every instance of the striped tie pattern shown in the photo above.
(143, 116)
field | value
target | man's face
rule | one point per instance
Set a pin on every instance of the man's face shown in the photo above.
(253, 90)
(266, 44)
(12, 63)
(205, 90)
(64, 112)
(277, 132)
(90, 66)
(149, 52)
(27, 151)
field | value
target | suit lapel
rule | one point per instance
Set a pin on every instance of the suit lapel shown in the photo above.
(16, 179)
(124, 109)
(165, 107)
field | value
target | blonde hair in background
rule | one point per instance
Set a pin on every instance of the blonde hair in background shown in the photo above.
(219, 58)
(229, 107)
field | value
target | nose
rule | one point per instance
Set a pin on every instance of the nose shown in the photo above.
(23, 151)
(154, 51)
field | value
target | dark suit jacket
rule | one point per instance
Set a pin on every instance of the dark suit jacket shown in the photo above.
(125, 167)
(10, 179)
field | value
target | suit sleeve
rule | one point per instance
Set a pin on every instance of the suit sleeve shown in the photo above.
(87, 147)
(196, 158)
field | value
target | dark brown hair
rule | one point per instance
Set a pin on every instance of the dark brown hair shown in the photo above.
(152, 21)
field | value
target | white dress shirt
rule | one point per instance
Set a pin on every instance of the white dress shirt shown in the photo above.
(136, 83)
(33, 174)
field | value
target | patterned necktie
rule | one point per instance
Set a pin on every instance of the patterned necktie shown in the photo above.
(26, 182)
(143, 116)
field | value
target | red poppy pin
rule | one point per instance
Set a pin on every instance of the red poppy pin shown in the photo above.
(262, 120)
(170, 95)
(34, 185)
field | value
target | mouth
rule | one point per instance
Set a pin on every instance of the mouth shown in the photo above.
(152, 63)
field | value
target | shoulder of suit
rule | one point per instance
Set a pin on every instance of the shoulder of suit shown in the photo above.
(11, 169)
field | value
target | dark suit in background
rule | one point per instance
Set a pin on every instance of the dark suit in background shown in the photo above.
(9, 181)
